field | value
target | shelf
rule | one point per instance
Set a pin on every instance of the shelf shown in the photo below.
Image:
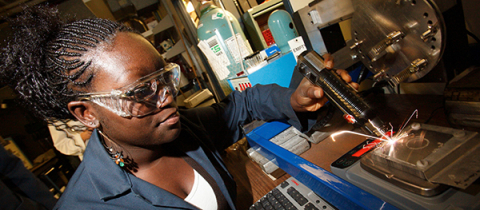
(163, 25)
(178, 48)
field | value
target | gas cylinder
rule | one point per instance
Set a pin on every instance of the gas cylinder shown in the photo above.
(283, 30)
(227, 49)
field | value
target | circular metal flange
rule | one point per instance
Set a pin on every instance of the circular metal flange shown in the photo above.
(392, 34)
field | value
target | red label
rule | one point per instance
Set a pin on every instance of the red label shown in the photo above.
(389, 133)
(366, 148)
(350, 119)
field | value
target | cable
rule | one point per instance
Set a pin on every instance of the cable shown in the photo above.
(234, 36)
(323, 119)
(473, 36)
(432, 114)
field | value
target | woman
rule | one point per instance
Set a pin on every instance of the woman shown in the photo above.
(144, 153)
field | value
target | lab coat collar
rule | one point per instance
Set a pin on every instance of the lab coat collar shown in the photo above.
(107, 177)
(110, 181)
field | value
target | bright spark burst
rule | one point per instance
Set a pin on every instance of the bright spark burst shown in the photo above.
(356, 133)
(391, 140)
(380, 131)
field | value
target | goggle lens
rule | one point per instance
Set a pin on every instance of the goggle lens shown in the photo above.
(145, 97)
(149, 103)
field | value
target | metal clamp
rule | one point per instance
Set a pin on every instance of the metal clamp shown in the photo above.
(416, 66)
(379, 50)
(429, 33)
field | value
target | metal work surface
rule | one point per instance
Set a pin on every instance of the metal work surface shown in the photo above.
(450, 199)
(424, 156)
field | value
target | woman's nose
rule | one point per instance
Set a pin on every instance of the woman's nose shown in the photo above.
(163, 97)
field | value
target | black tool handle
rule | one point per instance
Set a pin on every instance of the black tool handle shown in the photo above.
(355, 108)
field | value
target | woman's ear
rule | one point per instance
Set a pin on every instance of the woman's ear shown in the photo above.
(83, 111)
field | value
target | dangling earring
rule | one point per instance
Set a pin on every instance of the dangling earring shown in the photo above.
(115, 156)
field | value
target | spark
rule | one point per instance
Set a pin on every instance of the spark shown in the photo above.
(356, 133)
(390, 139)
(392, 146)
(380, 131)
(400, 136)
(405, 123)
(400, 133)
(391, 128)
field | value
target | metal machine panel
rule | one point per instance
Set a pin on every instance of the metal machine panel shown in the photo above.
(321, 15)
(336, 191)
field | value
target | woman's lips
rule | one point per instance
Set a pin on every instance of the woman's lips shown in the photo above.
(173, 118)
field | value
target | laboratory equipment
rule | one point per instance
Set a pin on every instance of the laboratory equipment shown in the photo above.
(352, 185)
(223, 43)
(426, 167)
(421, 166)
(282, 28)
(256, 22)
(397, 40)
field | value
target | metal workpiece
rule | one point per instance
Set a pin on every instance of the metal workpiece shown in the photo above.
(355, 108)
(267, 166)
(391, 34)
(290, 139)
(425, 159)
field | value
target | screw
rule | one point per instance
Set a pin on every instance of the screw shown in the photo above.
(422, 164)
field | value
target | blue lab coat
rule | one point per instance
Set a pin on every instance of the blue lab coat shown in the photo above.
(99, 183)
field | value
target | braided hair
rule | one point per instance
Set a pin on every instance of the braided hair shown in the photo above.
(43, 59)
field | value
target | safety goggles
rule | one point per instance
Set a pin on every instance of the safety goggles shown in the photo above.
(142, 97)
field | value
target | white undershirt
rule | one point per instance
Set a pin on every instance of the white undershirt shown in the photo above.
(202, 195)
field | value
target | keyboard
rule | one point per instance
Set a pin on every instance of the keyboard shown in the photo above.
(291, 194)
